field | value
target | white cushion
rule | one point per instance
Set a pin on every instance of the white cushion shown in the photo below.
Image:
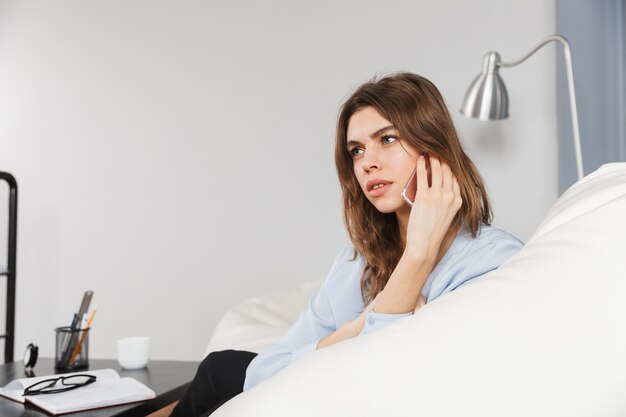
(543, 335)
(257, 323)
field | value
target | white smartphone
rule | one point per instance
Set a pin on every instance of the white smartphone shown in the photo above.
(409, 190)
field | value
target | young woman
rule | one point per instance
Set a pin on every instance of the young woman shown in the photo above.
(402, 256)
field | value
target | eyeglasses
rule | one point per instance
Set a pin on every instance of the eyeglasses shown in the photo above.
(47, 386)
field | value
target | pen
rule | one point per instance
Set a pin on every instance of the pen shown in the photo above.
(82, 336)
(73, 326)
(84, 305)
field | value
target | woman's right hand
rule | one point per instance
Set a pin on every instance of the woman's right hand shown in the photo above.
(434, 208)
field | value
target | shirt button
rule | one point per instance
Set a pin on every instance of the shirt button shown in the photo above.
(370, 321)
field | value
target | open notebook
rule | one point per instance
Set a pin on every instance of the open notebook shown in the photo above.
(109, 389)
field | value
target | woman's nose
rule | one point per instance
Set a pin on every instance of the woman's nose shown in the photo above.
(370, 161)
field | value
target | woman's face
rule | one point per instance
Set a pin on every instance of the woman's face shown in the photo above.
(381, 163)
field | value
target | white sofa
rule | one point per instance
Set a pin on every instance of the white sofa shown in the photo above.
(256, 323)
(543, 335)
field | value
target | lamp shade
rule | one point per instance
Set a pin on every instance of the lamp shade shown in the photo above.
(486, 98)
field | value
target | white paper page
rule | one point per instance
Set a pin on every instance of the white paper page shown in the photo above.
(96, 395)
(15, 388)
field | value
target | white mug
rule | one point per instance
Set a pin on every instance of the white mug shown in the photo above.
(133, 352)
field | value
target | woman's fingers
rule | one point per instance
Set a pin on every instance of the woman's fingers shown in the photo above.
(422, 175)
(440, 176)
(435, 172)
(426, 179)
(456, 190)
(446, 174)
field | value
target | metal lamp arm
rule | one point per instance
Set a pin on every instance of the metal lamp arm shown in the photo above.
(570, 85)
(557, 38)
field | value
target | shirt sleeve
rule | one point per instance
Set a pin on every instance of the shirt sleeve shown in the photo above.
(375, 321)
(469, 267)
(488, 259)
(465, 267)
(314, 323)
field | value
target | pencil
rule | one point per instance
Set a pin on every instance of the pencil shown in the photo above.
(82, 337)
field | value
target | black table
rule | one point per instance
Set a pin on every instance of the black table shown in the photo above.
(168, 379)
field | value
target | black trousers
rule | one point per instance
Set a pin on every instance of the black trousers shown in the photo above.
(219, 378)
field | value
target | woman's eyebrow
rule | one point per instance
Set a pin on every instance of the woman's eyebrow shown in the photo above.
(376, 134)
(382, 130)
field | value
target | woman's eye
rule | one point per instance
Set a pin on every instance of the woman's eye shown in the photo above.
(389, 139)
(355, 152)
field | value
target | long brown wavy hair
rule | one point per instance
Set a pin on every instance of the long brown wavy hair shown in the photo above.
(417, 110)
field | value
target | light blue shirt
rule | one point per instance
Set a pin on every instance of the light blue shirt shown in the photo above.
(339, 299)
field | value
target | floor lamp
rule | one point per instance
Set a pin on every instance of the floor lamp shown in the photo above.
(487, 99)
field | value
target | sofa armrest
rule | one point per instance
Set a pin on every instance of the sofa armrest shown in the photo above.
(258, 322)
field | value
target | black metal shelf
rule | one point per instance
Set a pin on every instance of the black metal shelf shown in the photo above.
(9, 271)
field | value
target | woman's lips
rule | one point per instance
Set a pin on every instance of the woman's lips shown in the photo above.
(377, 192)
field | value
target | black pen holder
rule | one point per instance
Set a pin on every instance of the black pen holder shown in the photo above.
(71, 349)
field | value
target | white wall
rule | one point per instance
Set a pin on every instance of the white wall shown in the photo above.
(177, 156)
